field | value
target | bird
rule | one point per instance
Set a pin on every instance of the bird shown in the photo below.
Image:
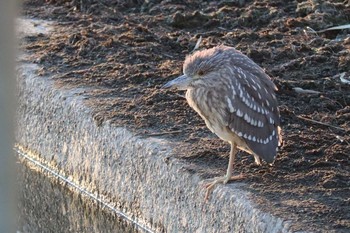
(237, 101)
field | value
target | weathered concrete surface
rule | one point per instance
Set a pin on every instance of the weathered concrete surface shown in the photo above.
(45, 205)
(141, 176)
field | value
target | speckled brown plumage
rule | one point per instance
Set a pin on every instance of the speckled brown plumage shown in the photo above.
(236, 99)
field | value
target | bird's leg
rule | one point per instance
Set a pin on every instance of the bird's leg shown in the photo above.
(257, 160)
(228, 175)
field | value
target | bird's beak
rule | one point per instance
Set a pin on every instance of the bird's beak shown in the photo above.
(180, 83)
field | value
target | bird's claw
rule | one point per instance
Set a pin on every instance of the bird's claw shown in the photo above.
(209, 186)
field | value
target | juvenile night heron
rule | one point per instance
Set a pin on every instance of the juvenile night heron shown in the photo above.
(236, 99)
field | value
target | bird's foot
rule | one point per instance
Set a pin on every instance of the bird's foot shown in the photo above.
(209, 186)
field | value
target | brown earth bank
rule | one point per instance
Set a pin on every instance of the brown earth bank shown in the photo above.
(123, 51)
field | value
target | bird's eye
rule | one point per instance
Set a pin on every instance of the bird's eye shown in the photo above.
(200, 72)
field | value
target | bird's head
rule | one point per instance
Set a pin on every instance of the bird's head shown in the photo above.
(198, 67)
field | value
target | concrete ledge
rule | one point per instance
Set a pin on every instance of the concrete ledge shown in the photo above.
(141, 176)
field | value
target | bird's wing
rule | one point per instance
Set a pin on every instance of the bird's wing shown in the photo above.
(252, 111)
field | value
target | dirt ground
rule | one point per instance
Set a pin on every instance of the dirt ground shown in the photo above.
(125, 50)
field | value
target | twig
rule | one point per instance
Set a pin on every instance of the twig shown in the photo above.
(321, 123)
(342, 79)
(164, 133)
(199, 41)
(341, 139)
(346, 26)
(305, 91)
(308, 30)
